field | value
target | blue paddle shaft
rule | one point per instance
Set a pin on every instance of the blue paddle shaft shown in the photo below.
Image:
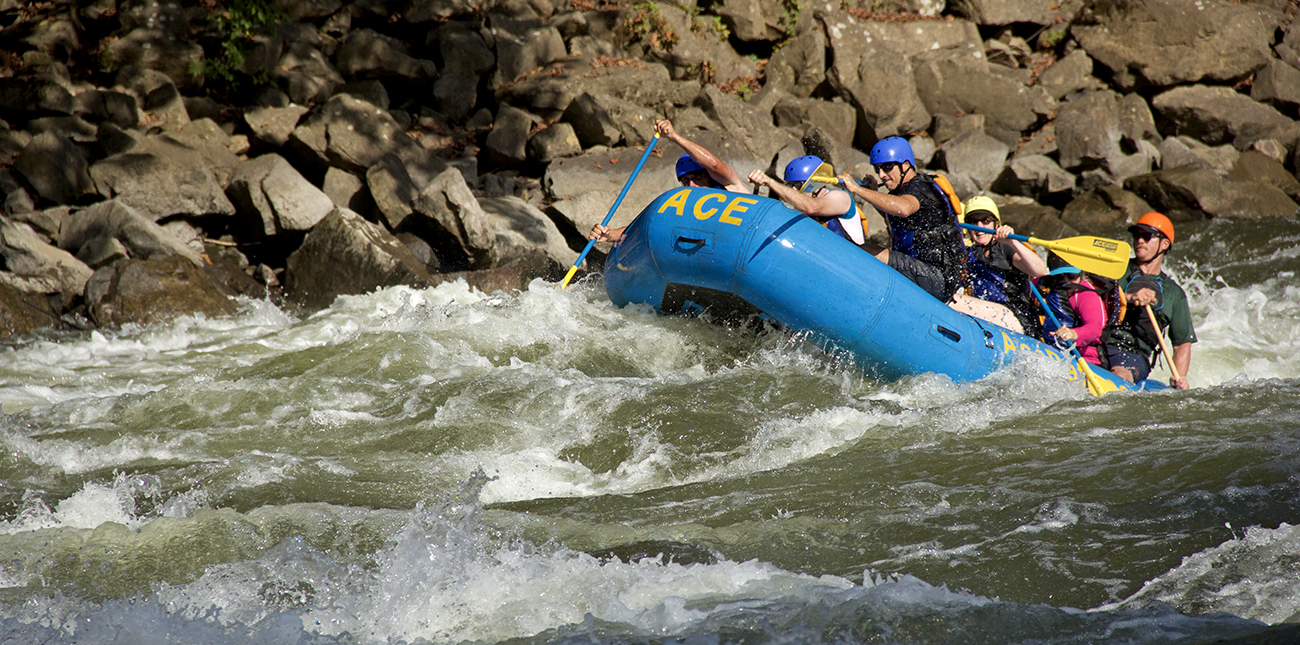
(981, 229)
(617, 202)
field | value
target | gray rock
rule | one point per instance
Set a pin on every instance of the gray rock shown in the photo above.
(799, 66)
(1217, 115)
(448, 204)
(1088, 131)
(699, 52)
(274, 125)
(507, 143)
(977, 156)
(162, 176)
(1006, 12)
(155, 291)
(876, 80)
(838, 119)
(455, 94)
(948, 127)
(605, 120)
(271, 190)
(1104, 209)
(521, 46)
(393, 189)
(20, 314)
(1071, 74)
(558, 140)
(107, 106)
(366, 53)
(1165, 42)
(34, 94)
(521, 230)
(343, 188)
(1256, 166)
(743, 120)
(548, 95)
(463, 49)
(349, 133)
(156, 49)
(345, 254)
(1036, 176)
(949, 86)
(38, 267)
(1277, 84)
(305, 74)
(56, 168)
(1188, 193)
(139, 235)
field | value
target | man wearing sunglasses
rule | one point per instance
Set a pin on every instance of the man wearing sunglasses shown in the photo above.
(1132, 344)
(925, 241)
(698, 168)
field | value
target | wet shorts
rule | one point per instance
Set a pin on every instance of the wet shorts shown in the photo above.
(926, 276)
(1135, 363)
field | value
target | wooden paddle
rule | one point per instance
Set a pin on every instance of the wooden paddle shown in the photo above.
(1104, 257)
(590, 243)
(1164, 345)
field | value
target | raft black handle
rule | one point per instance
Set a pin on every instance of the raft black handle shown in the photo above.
(698, 241)
(950, 334)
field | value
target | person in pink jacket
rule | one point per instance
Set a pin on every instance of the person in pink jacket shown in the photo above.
(1079, 308)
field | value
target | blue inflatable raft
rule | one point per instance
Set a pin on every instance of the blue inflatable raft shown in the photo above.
(697, 249)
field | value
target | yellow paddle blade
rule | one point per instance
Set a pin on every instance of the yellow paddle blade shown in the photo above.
(1097, 385)
(1104, 257)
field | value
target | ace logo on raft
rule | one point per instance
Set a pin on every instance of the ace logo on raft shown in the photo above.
(724, 205)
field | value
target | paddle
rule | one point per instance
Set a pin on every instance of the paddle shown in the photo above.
(1164, 345)
(1107, 258)
(1097, 385)
(590, 243)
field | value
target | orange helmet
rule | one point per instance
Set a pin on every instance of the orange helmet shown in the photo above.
(1155, 222)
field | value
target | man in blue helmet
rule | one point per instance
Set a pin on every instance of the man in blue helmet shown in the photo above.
(833, 208)
(697, 168)
(925, 243)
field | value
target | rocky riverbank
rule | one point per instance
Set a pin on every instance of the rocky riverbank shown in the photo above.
(160, 157)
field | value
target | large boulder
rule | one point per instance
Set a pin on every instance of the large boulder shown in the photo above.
(366, 53)
(349, 133)
(1006, 12)
(548, 95)
(1159, 43)
(153, 291)
(798, 67)
(449, 208)
(1189, 193)
(687, 44)
(165, 51)
(947, 84)
(1216, 115)
(56, 168)
(162, 176)
(605, 120)
(345, 254)
(20, 314)
(521, 46)
(34, 266)
(272, 191)
(522, 230)
(1104, 209)
(93, 233)
(876, 78)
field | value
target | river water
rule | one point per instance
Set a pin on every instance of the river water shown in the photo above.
(445, 466)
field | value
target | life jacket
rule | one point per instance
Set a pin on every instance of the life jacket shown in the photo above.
(1057, 297)
(994, 281)
(1140, 325)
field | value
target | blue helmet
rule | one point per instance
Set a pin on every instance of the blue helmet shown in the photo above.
(802, 168)
(686, 165)
(892, 149)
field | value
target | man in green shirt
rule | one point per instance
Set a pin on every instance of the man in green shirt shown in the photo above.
(1132, 343)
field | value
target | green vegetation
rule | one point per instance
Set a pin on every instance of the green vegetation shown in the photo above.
(644, 23)
(236, 21)
(790, 17)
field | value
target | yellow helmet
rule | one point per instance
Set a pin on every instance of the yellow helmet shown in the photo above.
(980, 207)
